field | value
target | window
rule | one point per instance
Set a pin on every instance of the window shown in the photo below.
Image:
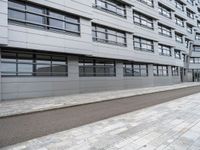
(190, 14)
(187, 43)
(134, 69)
(177, 54)
(142, 20)
(195, 60)
(179, 38)
(191, 2)
(147, 2)
(143, 44)
(179, 21)
(96, 67)
(164, 50)
(160, 70)
(33, 64)
(198, 24)
(108, 35)
(163, 30)
(197, 37)
(179, 5)
(42, 17)
(164, 11)
(111, 6)
(189, 28)
(196, 48)
(175, 71)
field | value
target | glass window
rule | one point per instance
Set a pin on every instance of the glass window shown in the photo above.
(43, 17)
(164, 50)
(179, 21)
(147, 2)
(163, 30)
(33, 64)
(175, 71)
(179, 38)
(143, 44)
(134, 69)
(111, 6)
(108, 35)
(142, 20)
(160, 70)
(96, 67)
(164, 11)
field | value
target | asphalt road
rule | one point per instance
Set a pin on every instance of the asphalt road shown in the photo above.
(24, 127)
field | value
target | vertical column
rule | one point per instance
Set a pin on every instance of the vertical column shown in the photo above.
(150, 73)
(119, 70)
(0, 79)
(73, 69)
(156, 48)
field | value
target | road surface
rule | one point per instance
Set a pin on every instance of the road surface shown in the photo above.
(24, 127)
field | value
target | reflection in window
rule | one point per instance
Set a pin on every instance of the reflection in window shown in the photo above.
(38, 16)
(134, 69)
(96, 67)
(31, 64)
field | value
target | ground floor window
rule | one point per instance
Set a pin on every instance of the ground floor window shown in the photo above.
(96, 67)
(18, 63)
(134, 69)
(159, 70)
(175, 71)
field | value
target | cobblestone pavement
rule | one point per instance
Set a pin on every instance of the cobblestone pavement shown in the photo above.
(174, 125)
(9, 108)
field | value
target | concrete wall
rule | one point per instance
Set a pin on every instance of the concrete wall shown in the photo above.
(28, 87)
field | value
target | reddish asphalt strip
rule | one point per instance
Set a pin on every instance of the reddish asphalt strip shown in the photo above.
(24, 127)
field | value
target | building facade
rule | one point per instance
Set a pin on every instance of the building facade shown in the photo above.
(60, 47)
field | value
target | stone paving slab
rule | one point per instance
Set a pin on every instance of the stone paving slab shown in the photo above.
(16, 107)
(174, 125)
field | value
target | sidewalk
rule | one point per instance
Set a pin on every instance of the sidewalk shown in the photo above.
(10, 108)
(174, 125)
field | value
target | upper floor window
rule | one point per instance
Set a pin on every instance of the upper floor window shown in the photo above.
(143, 44)
(197, 37)
(196, 48)
(190, 14)
(187, 43)
(195, 60)
(179, 21)
(142, 20)
(164, 30)
(179, 5)
(33, 64)
(147, 2)
(164, 11)
(96, 67)
(179, 38)
(175, 71)
(189, 28)
(135, 69)
(177, 54)
(198, 24)
(108, 35)
(191, 2)
(111, 6)
(159, 70)
(26, 13)
(164, 50)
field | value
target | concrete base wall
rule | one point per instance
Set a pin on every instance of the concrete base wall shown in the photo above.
(30, 87)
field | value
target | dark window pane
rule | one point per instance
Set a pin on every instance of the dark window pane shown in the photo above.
(9, 57)
(13, 14)
(8, 67)
(57, 23)
(59, 70)
(25, 69)
(26, 58)
(43, 70)
(43, 59)
(35, 18)
(17, 5)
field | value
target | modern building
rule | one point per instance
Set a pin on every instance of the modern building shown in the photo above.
(60, 47)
